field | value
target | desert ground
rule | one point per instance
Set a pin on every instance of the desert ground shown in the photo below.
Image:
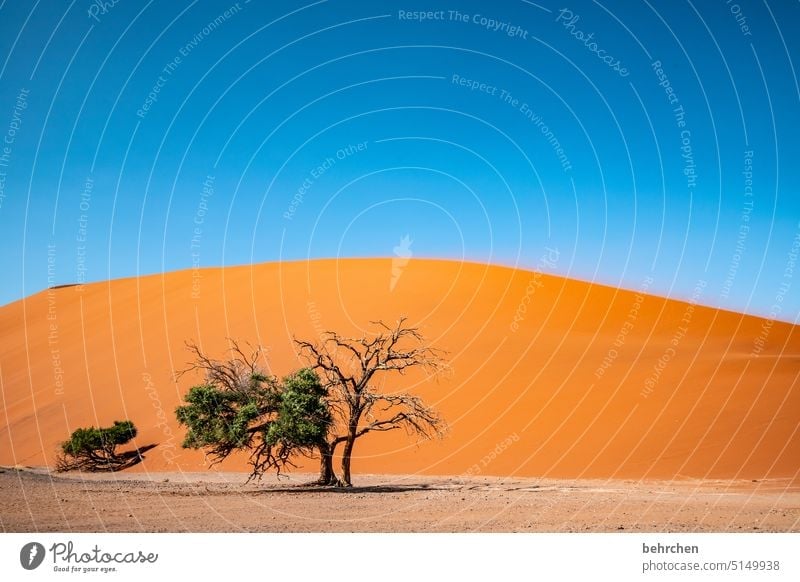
(34, 500)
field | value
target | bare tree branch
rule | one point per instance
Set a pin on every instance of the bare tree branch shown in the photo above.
(234, 373)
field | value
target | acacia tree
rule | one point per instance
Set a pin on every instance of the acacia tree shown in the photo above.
(240, 407)
(351, 369)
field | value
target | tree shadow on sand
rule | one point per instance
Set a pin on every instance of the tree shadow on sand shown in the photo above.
(125, 459)
(314, 488)
(134, 457)
(106, 464)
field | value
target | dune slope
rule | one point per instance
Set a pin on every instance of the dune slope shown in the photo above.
(552, 377)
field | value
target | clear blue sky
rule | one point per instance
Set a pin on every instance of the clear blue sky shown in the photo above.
(220, 133)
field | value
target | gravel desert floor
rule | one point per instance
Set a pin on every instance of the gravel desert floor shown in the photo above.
(35, 500)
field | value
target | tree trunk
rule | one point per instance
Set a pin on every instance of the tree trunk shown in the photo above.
(326, 474)
(356, 410)
(347, 454)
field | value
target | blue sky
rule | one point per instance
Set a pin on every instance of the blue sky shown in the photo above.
(154, 136)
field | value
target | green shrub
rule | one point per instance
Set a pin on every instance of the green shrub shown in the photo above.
(95, 449)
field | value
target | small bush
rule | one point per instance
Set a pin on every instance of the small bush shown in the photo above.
(95, 449)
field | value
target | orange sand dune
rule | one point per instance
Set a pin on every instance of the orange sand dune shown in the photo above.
(552, 377)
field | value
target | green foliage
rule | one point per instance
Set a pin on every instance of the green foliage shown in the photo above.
(219, 417)
(303, 416)
(85, 440)
(96, 448)
(272, 420)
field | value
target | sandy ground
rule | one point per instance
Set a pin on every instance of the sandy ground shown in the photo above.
(34, 500)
